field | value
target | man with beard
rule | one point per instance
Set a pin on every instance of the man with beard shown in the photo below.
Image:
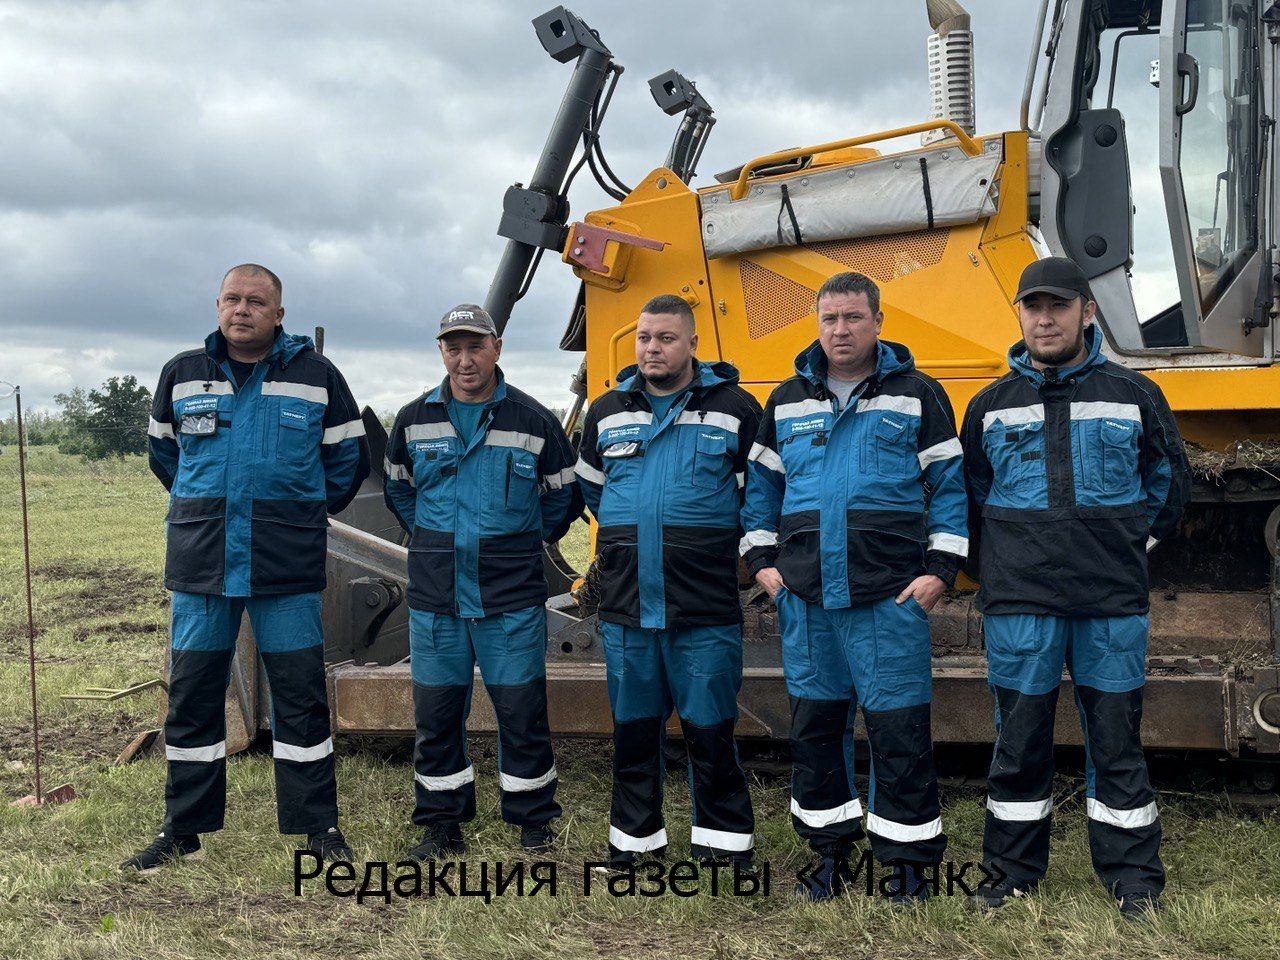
(661, 467)
(1075, 469)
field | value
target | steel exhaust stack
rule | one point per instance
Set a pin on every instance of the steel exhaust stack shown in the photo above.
(950, 67)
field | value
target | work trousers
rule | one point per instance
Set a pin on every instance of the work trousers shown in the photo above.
(290, 642)
(878, 654)
(1106, 657)
(696, 671)
(511, 649)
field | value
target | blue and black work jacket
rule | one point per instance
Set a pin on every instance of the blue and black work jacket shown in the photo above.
(667, 495)
(853, 504)
(254, 468)
(1073, 472)
(478, 512)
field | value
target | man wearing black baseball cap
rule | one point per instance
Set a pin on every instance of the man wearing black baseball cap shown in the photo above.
(480, 474)
(1075, 469)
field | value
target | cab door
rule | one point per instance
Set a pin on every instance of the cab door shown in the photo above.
(1211, 163)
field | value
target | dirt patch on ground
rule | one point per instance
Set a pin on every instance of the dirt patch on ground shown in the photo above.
(106, 591)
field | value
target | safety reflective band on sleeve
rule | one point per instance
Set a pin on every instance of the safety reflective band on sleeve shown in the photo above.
(721, 839)
(287, 751)
(1098, 409)
(949, 543)
(940, 451)
(1011, 416)
(903, 832)
(514, 438)
(161, 431)
(741, 478)
(707, 418)
(801, 408)
(343, 431)
(428, 431)
(192, 388)
(299, 391)
(215, 751)
(1020, 810)
(624, 841)
(907, 405)
(623, 420)
(589, 473)
(1127, 819)
(451, 782)
(554, 481)
(396, 472)
(521, 784)
(766, 458)
(757, 538)
(852, 810)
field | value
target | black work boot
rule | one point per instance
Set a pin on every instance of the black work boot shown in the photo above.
(537, 837)
(439, 841)
(1136, 903)
(992, 897)
(330, 845)
(826, 878)
(910, 887)
(165, 849)
(620, 860)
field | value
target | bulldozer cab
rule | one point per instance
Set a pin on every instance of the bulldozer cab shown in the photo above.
(1154, 169)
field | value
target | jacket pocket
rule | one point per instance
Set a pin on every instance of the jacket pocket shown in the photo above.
(1119, 456)
(294, 442)
(802, 453)
(195, 545)
(288, 546)
(1016, 451)
(710, 459)
(892, 441)
(522, 481)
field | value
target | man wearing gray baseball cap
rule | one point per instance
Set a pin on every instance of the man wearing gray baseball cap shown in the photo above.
(480, 474)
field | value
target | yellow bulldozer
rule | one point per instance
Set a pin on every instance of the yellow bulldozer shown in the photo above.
(944, 219)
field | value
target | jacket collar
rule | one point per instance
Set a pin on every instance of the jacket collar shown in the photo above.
(286, 346)
(705, 376)
(891, 358)
(442, 393)
(1020, 360)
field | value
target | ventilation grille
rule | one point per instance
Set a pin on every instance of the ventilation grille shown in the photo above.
(774, 302)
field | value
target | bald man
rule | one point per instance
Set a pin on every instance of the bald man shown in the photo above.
(257, 438)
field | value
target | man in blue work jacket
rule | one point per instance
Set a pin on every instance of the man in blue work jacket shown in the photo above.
(855, 525)
(1075, 469)
(480, 474)
(661, 467)
(257, 438)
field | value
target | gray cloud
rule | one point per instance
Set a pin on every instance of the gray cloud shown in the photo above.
(363, 150)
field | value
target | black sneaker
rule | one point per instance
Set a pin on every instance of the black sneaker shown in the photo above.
(537, 837)
(911, 888)
(622, 860)
(439, 841)
(825, 879)
(1138, 902)
(164, 849)
(995, 897)
(330, 845)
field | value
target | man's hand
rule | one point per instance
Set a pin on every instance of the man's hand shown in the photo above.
(771, 580)
(927, 590)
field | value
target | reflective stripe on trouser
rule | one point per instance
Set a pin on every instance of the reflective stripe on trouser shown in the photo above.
(510, 649)
(288, 636)
(1124, 826)
(877, 653)
(697, 672)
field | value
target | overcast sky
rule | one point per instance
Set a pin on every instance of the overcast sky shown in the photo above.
(362, 150)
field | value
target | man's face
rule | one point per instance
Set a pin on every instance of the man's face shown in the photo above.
(664, 347)
(1053, 327)
(847, 329)
(248, 310)
(470, 359)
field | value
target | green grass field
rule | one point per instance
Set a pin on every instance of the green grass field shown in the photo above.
(97, 541)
